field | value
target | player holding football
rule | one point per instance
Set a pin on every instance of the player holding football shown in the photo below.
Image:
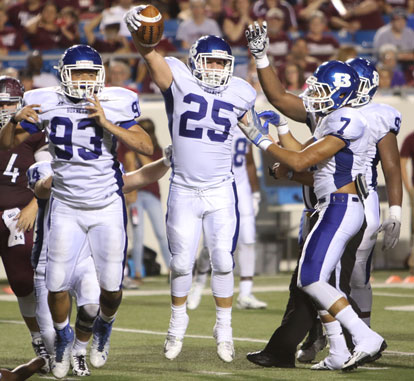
(83, 119)
(18, 209)
(203, 103)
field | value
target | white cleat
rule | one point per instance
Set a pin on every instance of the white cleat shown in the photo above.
(63, 349)
(172, 347)
(100, 342)
(332, 362)
(249, 302)
(79, 365)
(308, 352)
(40, 350)
(360, 357)
(194, 297)
(225, 351)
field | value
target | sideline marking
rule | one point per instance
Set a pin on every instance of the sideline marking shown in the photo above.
(400, 308)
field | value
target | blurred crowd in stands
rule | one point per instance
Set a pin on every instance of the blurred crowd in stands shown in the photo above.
(302, 33)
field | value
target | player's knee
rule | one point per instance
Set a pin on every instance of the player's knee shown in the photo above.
(222, 263)
(110, 300)
(180, 265)
(86, 317)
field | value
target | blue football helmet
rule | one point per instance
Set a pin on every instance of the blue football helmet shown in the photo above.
(81, 57)
(368, 77)
(333, 85)
(203, 49)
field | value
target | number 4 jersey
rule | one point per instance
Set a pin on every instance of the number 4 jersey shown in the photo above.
(201, 125)
(87, 173)
(13, 166)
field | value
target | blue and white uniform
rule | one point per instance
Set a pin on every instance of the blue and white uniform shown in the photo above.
(382, 119)
(84, 284)
(202, 192)
(86, 204)
(340, 215)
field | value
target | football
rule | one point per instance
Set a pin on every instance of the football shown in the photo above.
(152, 27)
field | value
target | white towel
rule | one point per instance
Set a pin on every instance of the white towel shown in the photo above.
(15, 237)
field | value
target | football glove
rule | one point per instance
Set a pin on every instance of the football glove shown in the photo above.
(272, 117)
(38, 171)
(391, 228)
(132, 18)
(253, 130)
(257, 39)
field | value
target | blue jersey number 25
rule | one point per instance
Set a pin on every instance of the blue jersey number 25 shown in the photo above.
(66, 140)
(197, 133)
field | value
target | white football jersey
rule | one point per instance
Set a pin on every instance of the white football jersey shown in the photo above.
(86, 169)
(202, 125)
(333, 173)
(382, 119)
(241, 146)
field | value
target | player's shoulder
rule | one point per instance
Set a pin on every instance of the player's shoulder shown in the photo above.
(242, 89)
(383, 116)
(45, 94)
(177, 65)
(116, 93)
(347, 122)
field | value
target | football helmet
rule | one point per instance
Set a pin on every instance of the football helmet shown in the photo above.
(333, 85)
(368, 77)
(11, 96)
(81, 57)
(205, 48)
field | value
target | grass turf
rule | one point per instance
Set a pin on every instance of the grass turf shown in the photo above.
(137, 340)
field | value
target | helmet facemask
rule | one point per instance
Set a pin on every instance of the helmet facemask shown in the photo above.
(83, 88)
(365, 93)
(318, 96)
(7, 113)
(214, 78)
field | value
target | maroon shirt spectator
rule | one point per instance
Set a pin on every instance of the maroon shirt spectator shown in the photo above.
(321, 45)
(10, 38)
(305, 9)
(261, 7)
(21, 13)
(67, 3)
(361, 15)
(279, 42)
(236, 22)
(43, 31)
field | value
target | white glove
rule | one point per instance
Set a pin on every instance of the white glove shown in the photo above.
(132, 18)
(258, 41)
(256, 202)
(391, 228)
(167, 155)
(38, 171)
(252, 131)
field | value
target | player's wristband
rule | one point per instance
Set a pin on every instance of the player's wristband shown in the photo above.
(395, 212)
(264, 144)
(262, 62)
(283, 129)
(13, 120)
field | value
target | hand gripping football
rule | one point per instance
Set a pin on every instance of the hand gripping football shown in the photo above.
(152, 26)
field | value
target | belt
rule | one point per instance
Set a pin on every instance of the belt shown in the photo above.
(339, 198)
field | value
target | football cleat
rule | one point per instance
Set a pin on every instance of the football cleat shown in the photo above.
(360, 357)
(172, 347)
(313, 344)
(225, 351)
(79, 365)
(249, 302)
(100, 342)
(63, 349)
(322, 365)
(40, 350)
(194, 297)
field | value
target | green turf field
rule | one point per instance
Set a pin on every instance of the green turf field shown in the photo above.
(137, 340)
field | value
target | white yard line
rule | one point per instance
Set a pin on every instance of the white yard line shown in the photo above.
(243, 339)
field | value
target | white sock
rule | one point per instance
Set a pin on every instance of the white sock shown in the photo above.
(223, 324)
(350, 320)
(60, 326)
(245, 287)
(79, 346)
(337, 343)
(179, 321)
(35, 335)
(105, 318)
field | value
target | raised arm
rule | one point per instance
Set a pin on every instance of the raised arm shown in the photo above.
(287, 103)
(157, 65)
